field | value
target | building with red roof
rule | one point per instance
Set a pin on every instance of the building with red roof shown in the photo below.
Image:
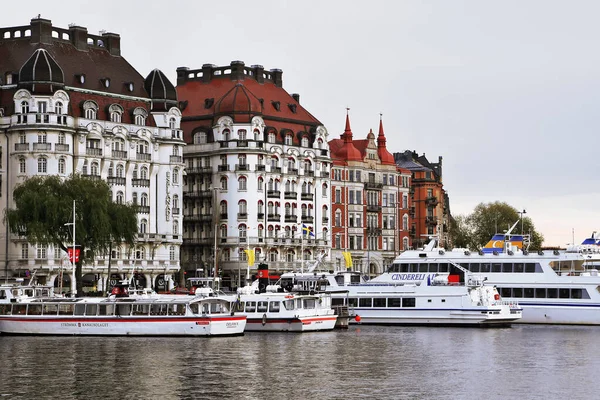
(369, 201)
(258, 169)
(70, 103)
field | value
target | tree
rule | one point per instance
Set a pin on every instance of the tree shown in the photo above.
(44, 205)
(460, 232)
(488, 219)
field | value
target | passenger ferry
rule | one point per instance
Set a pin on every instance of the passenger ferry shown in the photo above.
(428, 299)
(269, 309)
(118, 315)
(552, 287)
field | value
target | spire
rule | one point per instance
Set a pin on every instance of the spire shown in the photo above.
(347, 135)
(381, 138)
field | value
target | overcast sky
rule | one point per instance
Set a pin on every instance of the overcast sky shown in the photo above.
(507, 92)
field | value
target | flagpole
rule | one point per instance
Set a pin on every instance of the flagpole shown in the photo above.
(302, 249)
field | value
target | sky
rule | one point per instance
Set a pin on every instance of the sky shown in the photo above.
(507, 92)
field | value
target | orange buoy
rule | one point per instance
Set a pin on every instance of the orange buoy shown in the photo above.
(496, 296)
(357, 318)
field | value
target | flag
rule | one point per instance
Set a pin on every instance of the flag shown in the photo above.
(347, 258)
(306, 229)
(250, 254)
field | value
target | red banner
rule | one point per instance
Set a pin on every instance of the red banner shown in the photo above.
(70, 251)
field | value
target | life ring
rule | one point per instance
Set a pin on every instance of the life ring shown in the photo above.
(496, 296)
(264, 319)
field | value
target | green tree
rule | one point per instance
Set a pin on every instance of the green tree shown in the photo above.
(460, 233)
(498, 217)
(44, 208)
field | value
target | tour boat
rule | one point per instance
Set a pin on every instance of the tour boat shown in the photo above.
(120, 315)
(439, 299)
(269, 309)
(552, 287)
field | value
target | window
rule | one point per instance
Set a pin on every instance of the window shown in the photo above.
(338, 218)
(95, 170)
(175, 227)
(260, 184)
(200, 138)
(24, 250)
(22, 168)
(61, 165)
(172, 123)
(90, 109)
(140, 253)
(116, 113)
(242, 134)
(242, 183)
(242, 205)
(324, 190)
(288, 140)
(176, 176)
(41, 251)
(61, 138)
(120, 197)
(139, 116)
(223, 183)
(304, 141)
(42, 165)
(134, 198)
(172, 253)
(120, 171)
(143, 225)
(144, 200)
(58, 107)
(271, 137)
(144, 173)
(338, 196)
(42, 137)
(24, 107)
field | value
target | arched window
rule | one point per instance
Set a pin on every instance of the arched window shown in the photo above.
(324, 190)
(175, 201)
(172, 255)
(304, 141)
(320, 143)
(172, 123)
(176, 176)
(175, 227)
(256, 135)
(58, 107)
(90, 109)
(223, 207)
(260, 184)
(134, 198)
(61, 166)
(288, 186)
(288, 209)
(144, 173)
(405, 222)
(143, 147)
(271, 137)
(242, 207)
(405, 243)
(120, 171)
(226, 135)
(223, 231)
(143, 225)
(22, 168)
(338, 218)
(95, 169)
(116, 113)
(260, 207)
(140, 252)
(42, 165)
(120, 197)
(24, 107)
(223, 183)
(242, 231)
(139, 116)
(288, 139)
(242, 183)
(200, 138)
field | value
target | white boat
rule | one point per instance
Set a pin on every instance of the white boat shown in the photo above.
(552, 287)
(439, 299)
(269, 309)
(120, 315)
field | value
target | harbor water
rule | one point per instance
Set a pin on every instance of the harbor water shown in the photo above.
(525, 361)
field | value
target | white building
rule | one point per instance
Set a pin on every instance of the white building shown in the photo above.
(69, 103)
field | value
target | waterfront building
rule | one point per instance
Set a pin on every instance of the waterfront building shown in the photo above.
(70, 103)
(370, 202)
(430, 205)
(257, 173)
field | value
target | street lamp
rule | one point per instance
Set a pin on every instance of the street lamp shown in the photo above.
(73, 286)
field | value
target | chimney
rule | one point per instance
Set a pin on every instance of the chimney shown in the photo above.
(41, 30)
(78, 35)
(276, 76)
(182, 73)
(259, 73)
(207, 72)
(237, 70)
(112, 41)
(296, 97)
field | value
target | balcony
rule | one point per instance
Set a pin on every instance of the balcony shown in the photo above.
(242, 216)
(21, 146)
(275, 194)
(308, 219)
(290, 195)
(61, 147)
(260, 167)
(324, 174)
(306, 196)
(276, 170)
(291, 218)
(42, 146)
(431, 220)
(116, 180)
(223, 144)
(140, 182)
(198, 170)
(241, 167)
(373, 208)
(242, 143)
(176, 134)
(309, 172)
(119, 154)
(92, 177)
(371, 231)
(174, 159)
(325, 220)
(143, 157)
(175, 211)
(223, 167)
(223, 215)
(373, 186)
(204, 241)
(143, 209)
(195, 194)
(274, 217)
(431, 201)
(293, 171)
(93, 151)
(324, 152)
(260, 215)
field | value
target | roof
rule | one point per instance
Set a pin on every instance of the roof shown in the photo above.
(41, 70)
(161, 90)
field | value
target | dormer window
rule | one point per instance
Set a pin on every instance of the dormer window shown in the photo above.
(129, 86)
(271, 137)
(24, 107)
(105, 82)
(276, 105)
(208, 103)
(292, 108)
(288, 140)
(80, 78)
(116, 112)
(58, 107)
(90, 109)
(304, 141)
(139, 116)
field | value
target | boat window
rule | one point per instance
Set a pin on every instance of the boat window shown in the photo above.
(404, 267)
(123, 310)
(540, 293)
(486, 267)
(365, 302)
(274, 306)
(352, 302)
(576, 293)
(552, 293)
(141, 309)
(507, 267)
(496, 267)
(79, 309)
(413, 267)
(423, 267)
(161, 309)
(91, 309)
(65, 309)
(34, 309)
(298, 303)
(2, 294)
(379, 302)
(519, 267)
(528, 293)
(205, 308)
(288, 304)
(354, 278)
(262, 306)
(394, 302)
(16, 292)
(340, 280)
(433, 267)
(409, 302)
(50, 309)
(393, 268)
(251, 306)
(505, 292)
(474, 267)
(5, 309)
(530, 268)
(563, 293)
(216, 308)
(194, 308)
(337, 302)
(310, 303)
(517, 292)
(443, 267)
(176, 309)
(105, 309)
(19, 309)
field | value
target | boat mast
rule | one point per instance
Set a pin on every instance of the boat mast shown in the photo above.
(73, 285)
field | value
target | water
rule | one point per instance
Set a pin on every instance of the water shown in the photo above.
(527, 362)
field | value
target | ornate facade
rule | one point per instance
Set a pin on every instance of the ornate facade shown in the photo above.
(70, 103)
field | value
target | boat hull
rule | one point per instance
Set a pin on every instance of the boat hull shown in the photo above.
(293, 324)
(123, 326)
